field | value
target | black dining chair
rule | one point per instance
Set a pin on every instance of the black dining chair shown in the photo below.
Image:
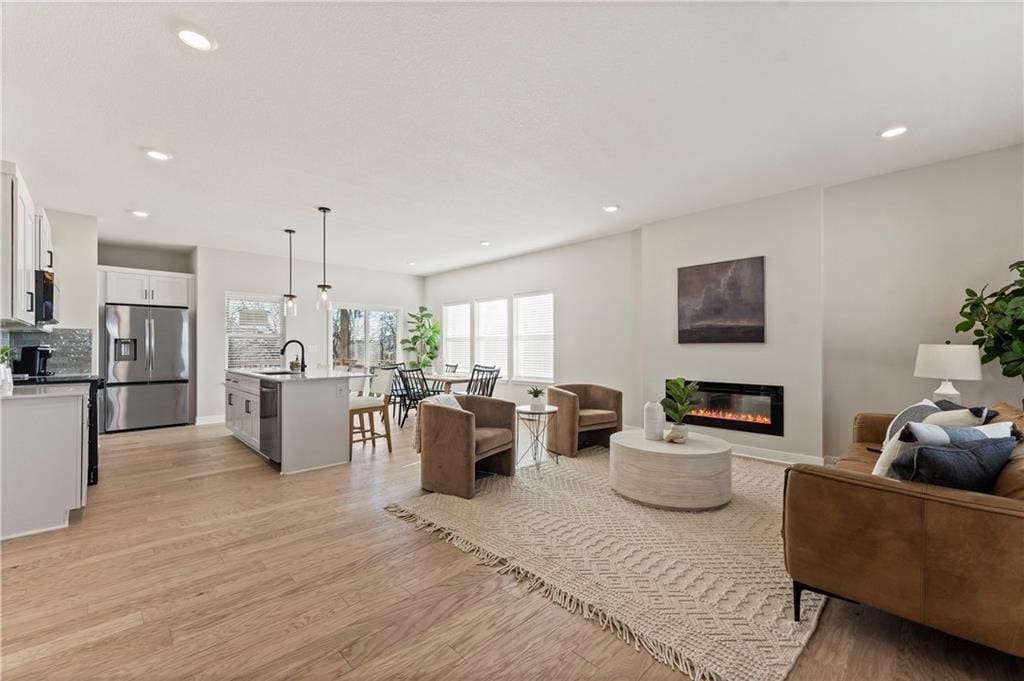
(414, 383)
(397, 391)
(449, 369)
(482, 381)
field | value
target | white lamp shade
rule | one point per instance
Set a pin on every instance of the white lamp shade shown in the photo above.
(953, 362)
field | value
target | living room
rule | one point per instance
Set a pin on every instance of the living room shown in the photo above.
(528, 341)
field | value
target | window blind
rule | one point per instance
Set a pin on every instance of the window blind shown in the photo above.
(492, 334)
(254, 330)
(534, 345)
(455, 328)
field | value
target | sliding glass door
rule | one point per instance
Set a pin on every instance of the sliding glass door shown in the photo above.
(363, 336)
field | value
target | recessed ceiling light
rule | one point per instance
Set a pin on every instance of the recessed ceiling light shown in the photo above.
(158, 155)
(894, 131)
(196, 41)
(411, 263)
(485, 243)
(609, 209)
(140, 213)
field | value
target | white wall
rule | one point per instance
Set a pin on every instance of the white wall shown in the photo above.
(162, 259)
(74, 263)
(596, 304)
(218, 272)
(786, 229)
(899, 251)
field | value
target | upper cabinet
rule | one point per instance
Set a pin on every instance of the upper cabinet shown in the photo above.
(44, 243)
(18, 249)
(138, 287)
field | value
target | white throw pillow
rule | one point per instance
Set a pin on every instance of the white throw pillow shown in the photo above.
(915, 412)
(930, 434)
(957, 417)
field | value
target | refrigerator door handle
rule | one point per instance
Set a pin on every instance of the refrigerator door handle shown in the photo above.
(150, 341)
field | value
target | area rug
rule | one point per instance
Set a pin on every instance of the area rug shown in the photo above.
(704, 592)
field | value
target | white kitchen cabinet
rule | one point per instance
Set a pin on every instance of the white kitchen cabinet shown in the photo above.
(18, 251)
(138, 287)
(43, 478)
(44, 242)
(168, 290)
(242, 408)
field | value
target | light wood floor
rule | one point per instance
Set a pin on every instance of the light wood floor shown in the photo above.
(195, 560)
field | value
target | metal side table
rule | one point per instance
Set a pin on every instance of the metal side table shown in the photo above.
(537, 420)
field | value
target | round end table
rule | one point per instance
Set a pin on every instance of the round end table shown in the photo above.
(690, 476)
(537, 420)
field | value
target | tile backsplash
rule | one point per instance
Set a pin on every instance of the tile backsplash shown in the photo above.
(72, 348)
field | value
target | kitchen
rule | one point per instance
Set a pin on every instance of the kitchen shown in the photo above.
(116, 335)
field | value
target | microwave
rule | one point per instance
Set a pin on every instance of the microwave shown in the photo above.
(47, 297)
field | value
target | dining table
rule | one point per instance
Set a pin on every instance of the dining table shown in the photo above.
(447, 380)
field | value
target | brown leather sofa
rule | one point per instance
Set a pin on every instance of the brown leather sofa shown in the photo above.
(458, 442)
(947, 558)
(591, 411)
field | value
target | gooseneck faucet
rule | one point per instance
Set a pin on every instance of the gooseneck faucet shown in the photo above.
(302, 357)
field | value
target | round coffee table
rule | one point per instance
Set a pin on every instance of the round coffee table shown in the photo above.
(690, 476)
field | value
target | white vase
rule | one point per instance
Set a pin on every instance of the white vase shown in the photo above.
(654, 421)
(678, 433)
(6, 380)
(538, 403)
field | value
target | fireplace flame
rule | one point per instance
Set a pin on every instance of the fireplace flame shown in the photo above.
(732, 416)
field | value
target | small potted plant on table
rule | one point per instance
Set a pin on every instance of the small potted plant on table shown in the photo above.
(537, 400)
(680, 401)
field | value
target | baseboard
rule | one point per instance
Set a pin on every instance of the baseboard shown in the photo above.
(775, 455)
(209, 420)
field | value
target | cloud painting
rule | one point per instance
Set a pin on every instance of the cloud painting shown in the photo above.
(722, 302)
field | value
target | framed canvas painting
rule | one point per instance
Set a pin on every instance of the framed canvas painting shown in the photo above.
(722, 302)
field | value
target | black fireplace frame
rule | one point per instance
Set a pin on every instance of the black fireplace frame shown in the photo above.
(777, 414)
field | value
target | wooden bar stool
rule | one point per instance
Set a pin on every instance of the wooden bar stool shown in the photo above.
(362, 407)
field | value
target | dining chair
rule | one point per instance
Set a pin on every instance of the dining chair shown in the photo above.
(397, 391)
(449, 369)
(414, 383)
(482, 381)
(368, 406)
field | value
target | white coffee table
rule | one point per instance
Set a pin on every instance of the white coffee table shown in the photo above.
(690, 476)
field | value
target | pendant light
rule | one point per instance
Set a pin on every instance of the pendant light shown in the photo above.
(321, 301)
(291, 309)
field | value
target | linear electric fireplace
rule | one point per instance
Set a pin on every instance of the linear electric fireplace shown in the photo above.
(739, 406)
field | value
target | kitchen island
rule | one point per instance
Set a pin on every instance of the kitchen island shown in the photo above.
(296, 420)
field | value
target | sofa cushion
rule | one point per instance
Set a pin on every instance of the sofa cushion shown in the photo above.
(364, 401)
(860, 452)
(1010, 482)
(591, 417)
(487, 439)
(973, 465)
(1008, 412)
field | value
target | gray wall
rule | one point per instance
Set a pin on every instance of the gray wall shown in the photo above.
(164, 260)
(899, 250)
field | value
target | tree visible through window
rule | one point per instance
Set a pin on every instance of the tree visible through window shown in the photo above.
(363, 337)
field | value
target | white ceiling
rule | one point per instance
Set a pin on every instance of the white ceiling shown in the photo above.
(428, 127)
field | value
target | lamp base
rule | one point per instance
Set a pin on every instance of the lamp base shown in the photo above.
(946, 391)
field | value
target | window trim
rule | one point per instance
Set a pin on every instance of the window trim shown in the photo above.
(333, 304)
(514, 376)
(265, 297)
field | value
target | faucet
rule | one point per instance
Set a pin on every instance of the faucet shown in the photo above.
(302, 349)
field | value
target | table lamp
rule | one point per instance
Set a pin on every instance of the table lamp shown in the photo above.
(948, 362)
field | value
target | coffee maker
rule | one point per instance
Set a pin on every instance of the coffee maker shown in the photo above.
(33, 360)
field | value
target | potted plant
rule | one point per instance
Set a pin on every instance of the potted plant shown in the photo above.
(680, 401)
(6, 377)
(997, 319)
(423, 339)
(537, 399)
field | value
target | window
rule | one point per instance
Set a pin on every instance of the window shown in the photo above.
(534, 340)
(455, 328)
(363, 336)
(492, 334)
(254, 330)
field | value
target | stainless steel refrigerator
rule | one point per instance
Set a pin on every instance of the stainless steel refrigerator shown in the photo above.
(147, 360)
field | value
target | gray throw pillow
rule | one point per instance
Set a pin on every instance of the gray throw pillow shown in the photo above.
(973, 465)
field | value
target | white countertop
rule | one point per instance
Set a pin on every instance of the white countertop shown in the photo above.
(309, 375)
(30, 392)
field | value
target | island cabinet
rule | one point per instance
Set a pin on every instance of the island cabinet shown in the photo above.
(44, 457)
(298, 421)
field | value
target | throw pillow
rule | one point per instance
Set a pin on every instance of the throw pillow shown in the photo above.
(973, 465)
(915, 412)
(930, 434)
(974, 416)
(946, 405)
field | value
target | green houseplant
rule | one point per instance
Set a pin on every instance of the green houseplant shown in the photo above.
(997, 319)
(680, 401)
(536, 394)
(423, 339)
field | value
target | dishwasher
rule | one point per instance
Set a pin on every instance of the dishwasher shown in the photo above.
(270, 420)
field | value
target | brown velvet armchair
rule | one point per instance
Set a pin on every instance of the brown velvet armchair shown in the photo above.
(585, 412)
(457, 443)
